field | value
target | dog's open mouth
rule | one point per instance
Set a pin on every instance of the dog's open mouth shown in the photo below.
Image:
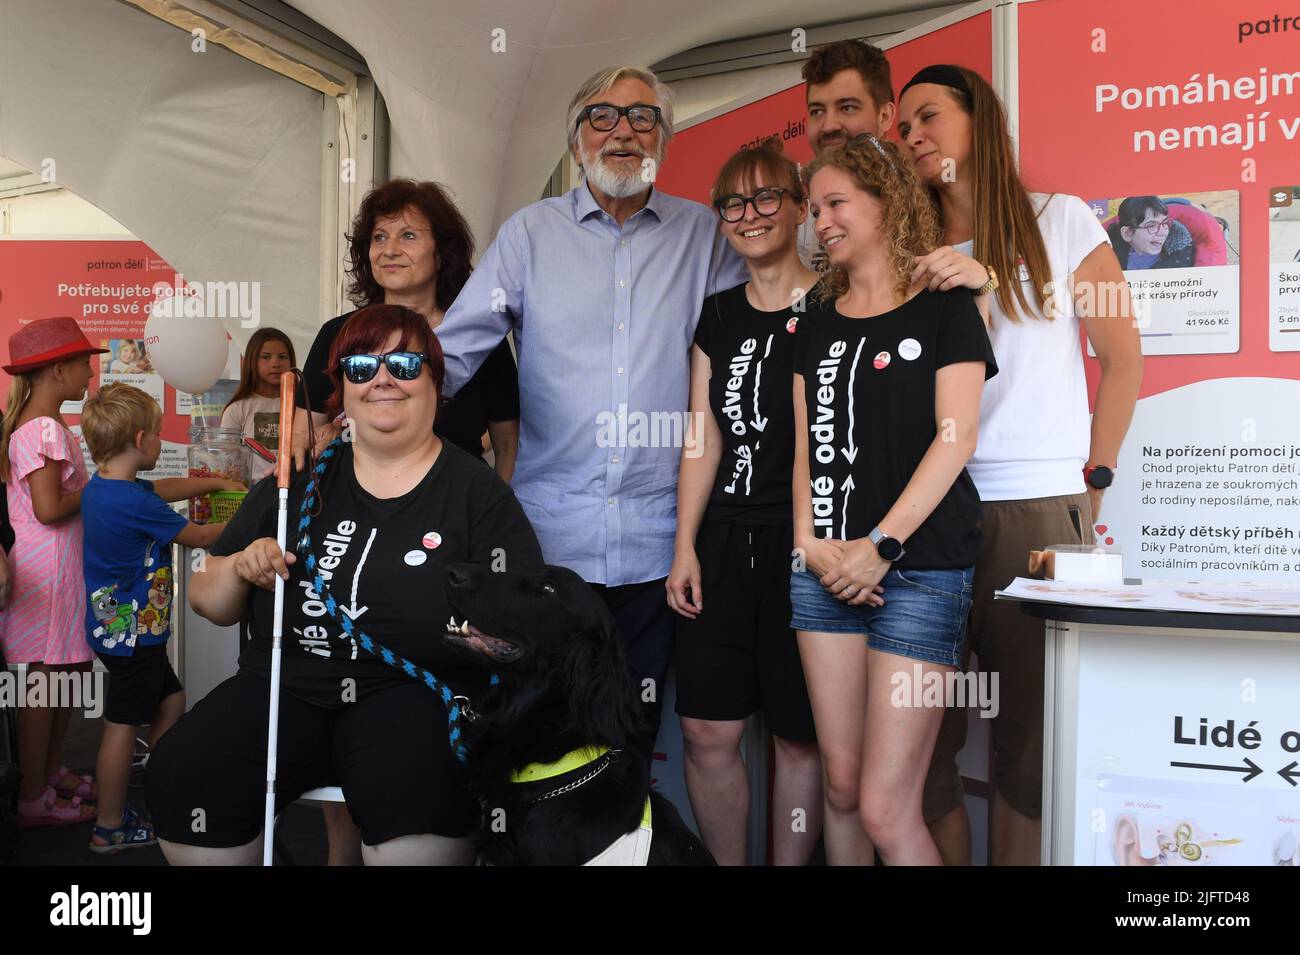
(467, 635)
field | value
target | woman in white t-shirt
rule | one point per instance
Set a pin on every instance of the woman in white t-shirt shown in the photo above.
(1041, 465)
(254, 409)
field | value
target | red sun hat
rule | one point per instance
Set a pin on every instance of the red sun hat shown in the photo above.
(45, 341)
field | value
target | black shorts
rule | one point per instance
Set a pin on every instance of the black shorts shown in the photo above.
(138, 683)
(739, 655)
(388, 751)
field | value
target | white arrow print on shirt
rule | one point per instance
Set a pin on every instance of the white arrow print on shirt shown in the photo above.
(759, 422)
(851, 452)
(353, 611)
(844, 511)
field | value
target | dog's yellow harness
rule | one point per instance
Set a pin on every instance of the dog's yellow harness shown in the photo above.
(631, 848)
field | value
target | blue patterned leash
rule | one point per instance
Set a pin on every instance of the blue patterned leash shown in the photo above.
(457, 706)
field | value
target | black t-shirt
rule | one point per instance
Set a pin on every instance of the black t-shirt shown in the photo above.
(386, 560)
(491, 395)
(751, 355)
(869, 385)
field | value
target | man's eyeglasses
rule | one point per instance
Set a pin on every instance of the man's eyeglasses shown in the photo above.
(766, 202)
(403, 365)
(1155, 228)
(604, 117)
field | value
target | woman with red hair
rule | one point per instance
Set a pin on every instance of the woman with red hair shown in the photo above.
(390, 505)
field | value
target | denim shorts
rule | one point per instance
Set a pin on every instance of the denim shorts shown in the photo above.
(924, 616)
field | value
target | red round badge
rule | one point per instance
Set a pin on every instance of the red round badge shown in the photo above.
(881, 360)
(432, 540)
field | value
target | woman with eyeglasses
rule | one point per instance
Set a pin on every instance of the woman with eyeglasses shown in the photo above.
(410, 246)
(393, 504)
(1041, 465)
(733, 524)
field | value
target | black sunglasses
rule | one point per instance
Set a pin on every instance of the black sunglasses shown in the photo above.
(403, 365)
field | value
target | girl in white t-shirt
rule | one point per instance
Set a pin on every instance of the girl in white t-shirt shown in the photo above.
(254, 409)
(1042, 464)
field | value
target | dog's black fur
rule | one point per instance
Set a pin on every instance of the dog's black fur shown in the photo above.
(564, 685)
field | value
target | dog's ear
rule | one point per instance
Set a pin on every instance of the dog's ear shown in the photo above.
(606, 703)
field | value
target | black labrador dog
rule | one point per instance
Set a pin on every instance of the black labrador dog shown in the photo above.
(564, 687)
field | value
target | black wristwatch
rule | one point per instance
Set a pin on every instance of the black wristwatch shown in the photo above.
(1099, 477)
(887, 547)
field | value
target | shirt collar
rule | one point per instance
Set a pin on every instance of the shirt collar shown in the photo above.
(585, 205)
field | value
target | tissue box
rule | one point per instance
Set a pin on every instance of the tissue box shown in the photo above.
(1078, 563)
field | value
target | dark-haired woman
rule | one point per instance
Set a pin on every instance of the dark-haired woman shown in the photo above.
(393, 505)
(734, 531)
(1041, 466)
(410, 246)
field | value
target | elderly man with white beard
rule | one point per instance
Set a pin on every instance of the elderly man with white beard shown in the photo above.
(602, 287)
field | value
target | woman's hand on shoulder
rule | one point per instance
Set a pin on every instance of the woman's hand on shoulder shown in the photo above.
(324, 435)
(262, 561)
(945, 268)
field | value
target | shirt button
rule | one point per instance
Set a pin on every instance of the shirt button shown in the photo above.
(622, 283)
(611, 502)
(620, 326)
(620, 371)
(616, 459)
(623, 242)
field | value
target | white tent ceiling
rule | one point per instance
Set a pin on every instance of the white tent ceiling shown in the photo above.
(490, 125)
(211, 159)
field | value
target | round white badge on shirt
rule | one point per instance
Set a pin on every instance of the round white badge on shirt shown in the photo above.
(431, 540)
(415, 557)
(909, 349)
(882, 360)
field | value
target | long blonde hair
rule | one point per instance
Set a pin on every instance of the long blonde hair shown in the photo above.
(908, 218)
(20, 391)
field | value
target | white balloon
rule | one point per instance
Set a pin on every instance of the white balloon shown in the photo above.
(188, 351)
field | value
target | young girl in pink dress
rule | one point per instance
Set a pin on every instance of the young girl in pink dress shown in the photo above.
(43, 625)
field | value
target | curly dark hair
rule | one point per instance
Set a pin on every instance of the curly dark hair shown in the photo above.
(869, 62)
(452, 238)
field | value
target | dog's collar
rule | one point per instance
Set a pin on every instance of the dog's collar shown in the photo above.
(574, 759)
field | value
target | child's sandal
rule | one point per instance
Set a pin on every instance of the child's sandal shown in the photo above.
(131, 834)
(86, 788)
(45, 810)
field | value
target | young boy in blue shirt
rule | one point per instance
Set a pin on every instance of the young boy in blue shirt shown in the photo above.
(128, 533)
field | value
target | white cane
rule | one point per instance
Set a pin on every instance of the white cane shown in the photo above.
(282, 463)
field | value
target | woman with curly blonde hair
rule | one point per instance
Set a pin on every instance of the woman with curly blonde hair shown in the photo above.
(887, 383)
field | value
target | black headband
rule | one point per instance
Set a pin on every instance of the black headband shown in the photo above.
(943, 74)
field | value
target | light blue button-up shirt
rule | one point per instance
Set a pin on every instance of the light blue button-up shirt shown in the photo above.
(603, 317)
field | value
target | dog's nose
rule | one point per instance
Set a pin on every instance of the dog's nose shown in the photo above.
(457, 578)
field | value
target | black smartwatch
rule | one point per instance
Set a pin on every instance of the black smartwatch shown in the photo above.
(1099, 477)
(886, 546)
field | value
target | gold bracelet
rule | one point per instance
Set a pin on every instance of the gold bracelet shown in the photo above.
(991, 285)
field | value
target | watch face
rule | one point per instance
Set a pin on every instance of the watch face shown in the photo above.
(889, 548)
(1101, 477)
